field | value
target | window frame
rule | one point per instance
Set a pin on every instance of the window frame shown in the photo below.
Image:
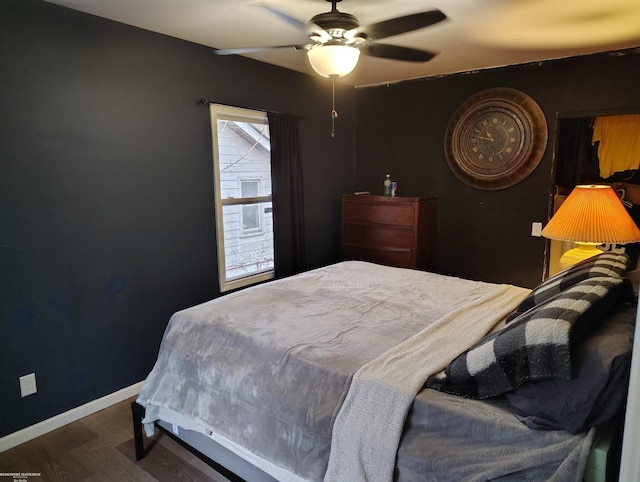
(236, 114)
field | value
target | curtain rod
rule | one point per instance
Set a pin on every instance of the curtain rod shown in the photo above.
(208, 102)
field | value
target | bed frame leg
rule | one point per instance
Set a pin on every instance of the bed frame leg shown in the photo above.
(137, 412)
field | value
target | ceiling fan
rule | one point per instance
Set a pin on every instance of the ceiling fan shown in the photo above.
(337, 39)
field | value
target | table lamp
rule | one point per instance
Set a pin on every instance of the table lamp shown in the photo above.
(591, 215)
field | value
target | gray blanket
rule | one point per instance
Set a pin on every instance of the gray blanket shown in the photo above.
(242, 366)
(367, 431)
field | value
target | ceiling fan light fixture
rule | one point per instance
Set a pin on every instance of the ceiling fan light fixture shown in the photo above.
(330, 60)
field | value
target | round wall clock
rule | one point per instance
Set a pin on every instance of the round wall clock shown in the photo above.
(496, 138)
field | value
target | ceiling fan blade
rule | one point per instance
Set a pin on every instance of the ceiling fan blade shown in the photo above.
(396, 52)
(247, 50)
(396, 26)
(294, 22)
(309, 27)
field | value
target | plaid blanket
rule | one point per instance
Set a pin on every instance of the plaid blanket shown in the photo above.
(606, 264)
(534, 346)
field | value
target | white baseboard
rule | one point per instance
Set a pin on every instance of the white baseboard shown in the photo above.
(46, 426)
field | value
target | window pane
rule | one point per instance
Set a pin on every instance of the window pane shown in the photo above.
(243, 151)
(246, 256)
(250, 219)
(250, 188)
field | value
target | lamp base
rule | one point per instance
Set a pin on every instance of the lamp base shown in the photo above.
(575, 255)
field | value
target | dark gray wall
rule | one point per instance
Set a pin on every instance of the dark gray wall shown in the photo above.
(106, 193)
(483, 235)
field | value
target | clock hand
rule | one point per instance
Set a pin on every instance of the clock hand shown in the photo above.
(489, 135)
(484, 138)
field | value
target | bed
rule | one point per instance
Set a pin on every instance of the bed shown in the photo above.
(358, 371)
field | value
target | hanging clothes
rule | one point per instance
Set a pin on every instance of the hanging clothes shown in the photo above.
(619, 138)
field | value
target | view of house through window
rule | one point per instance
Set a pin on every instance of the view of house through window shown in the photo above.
(242, 161)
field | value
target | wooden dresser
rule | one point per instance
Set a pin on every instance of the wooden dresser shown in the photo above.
(395, 231)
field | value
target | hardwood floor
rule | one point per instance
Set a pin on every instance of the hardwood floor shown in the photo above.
(100, 448)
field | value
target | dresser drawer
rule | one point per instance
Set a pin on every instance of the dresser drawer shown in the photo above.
(385, 213)
(402, 258)
(377, 235)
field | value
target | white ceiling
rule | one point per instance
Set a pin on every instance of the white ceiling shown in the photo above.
(477, 34)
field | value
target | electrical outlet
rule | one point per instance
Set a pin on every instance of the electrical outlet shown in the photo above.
(536, 229)
(28, 385)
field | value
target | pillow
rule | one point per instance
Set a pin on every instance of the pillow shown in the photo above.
(596, 392)
(606, 264)
(534, 346)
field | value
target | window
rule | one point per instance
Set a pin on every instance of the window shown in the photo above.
(251, 220)
(242, 171)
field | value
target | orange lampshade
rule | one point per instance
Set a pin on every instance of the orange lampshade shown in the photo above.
(592, 214)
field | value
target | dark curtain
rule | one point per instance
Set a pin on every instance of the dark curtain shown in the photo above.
(577, 159)
(287, 195)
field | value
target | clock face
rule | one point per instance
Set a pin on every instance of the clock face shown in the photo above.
(496, 139)
(495, 136)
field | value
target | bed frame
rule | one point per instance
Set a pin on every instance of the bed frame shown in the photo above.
(602, 465)
(221, 459)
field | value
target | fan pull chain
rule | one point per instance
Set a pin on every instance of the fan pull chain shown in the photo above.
(334, 113)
